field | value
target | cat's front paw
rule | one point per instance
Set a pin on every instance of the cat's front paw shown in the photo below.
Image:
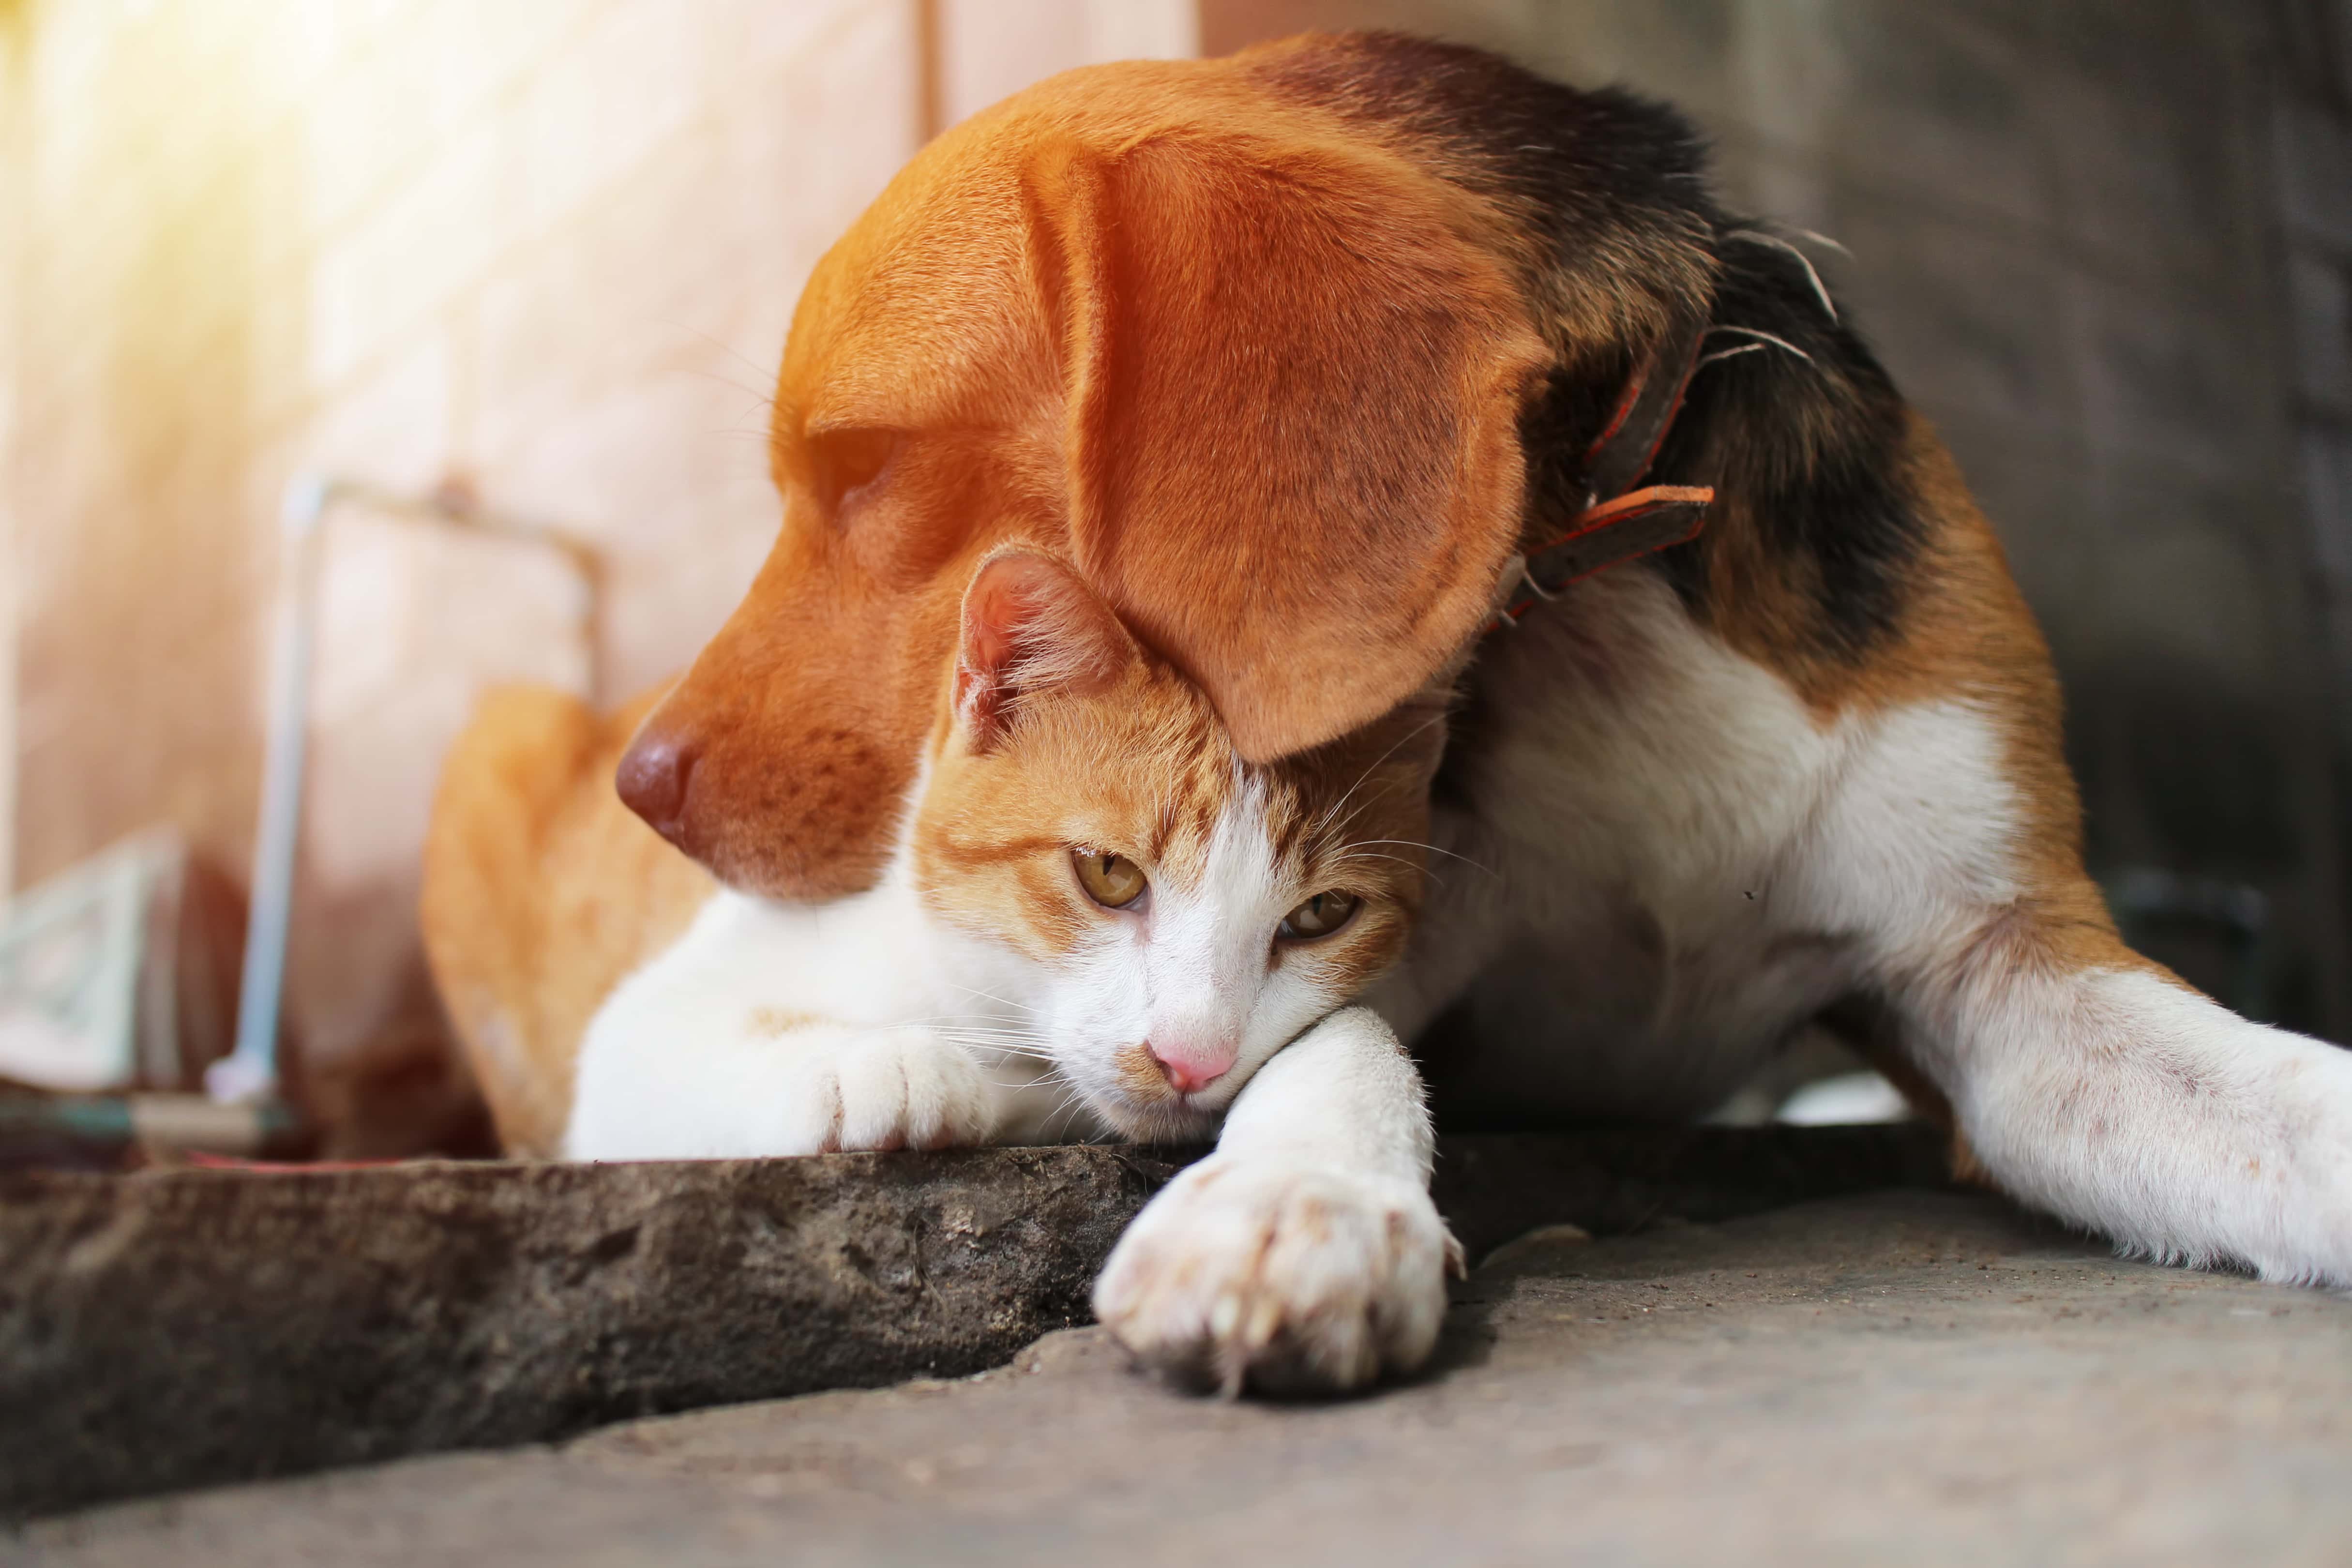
(1284, 1279)
(886, 1089)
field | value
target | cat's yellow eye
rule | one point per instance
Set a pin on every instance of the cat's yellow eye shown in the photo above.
(1114, 881)
(1319, 915)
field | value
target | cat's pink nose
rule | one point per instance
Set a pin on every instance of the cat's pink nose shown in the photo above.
(1190, 1066)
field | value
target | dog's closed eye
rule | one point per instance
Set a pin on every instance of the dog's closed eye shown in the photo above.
(848, 463)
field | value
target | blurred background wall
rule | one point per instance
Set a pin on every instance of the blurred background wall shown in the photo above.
(545, 251)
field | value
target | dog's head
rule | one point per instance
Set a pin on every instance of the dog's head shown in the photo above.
(1256, 365)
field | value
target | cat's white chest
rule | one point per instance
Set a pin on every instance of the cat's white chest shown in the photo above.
(869, 959)
(764, 1028)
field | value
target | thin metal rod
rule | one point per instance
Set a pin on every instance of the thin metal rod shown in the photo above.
(251, 1069)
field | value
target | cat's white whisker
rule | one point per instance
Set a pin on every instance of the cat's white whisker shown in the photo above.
(1434, 849)
(1019, 1044)
(1010, 1053)
(1056, 1122)
(1813, 274)
(1398, 859)
(1331, 814)
(1000, 1001)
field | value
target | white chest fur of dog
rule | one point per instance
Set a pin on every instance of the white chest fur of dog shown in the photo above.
(1698, 864)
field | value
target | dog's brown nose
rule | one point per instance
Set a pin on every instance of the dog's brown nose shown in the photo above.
(653, 777)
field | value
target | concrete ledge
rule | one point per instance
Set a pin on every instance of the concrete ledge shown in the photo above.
(180, 1328)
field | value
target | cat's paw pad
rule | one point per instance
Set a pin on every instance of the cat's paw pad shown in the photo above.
(1284, 1279)
(890, 1088)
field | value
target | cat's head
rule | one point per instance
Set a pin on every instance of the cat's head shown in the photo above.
(1186, 914)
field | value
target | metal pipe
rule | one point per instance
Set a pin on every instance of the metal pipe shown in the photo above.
(251, 1069)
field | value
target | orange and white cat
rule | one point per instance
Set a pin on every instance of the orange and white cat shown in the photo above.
(1098, 920)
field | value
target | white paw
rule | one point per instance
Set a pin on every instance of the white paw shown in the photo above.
(1287, 1279)
(890, 1088)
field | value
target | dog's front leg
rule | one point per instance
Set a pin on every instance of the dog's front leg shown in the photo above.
(1304, 1255)
(2090, 1082)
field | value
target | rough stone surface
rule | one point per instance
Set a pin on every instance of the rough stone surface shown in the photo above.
(174, 1330)
(1911, 1377)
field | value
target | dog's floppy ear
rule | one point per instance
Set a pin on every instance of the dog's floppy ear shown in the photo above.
(1031, 626)
(1294, 392)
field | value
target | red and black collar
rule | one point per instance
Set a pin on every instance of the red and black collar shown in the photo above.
(1619, 523)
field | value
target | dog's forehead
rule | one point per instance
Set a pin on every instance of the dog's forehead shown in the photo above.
(924, 297)
(937, 295)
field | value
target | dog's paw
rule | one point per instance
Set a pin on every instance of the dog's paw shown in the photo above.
(889, 1089)
(1284, 1279)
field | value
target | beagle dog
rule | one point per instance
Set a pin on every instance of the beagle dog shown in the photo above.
(1333, 366)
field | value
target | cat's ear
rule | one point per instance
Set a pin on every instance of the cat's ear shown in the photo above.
(1031, 625)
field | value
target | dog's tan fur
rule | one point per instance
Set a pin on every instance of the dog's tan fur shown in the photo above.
(541, 891)
(1292, 355)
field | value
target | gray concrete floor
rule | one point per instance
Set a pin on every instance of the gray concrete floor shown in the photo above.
(1904, 1377)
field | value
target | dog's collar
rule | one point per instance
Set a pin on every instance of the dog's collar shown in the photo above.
(1619, 523)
